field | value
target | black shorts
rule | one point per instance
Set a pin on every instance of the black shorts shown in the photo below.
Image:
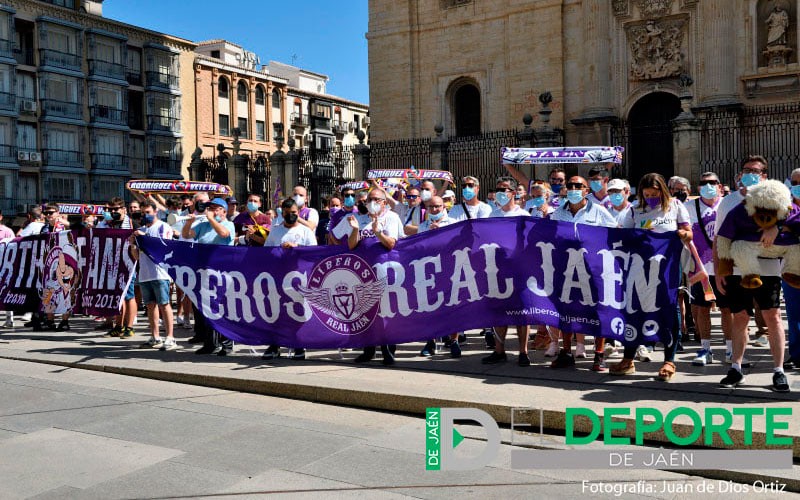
(767, 296)
(698, 297)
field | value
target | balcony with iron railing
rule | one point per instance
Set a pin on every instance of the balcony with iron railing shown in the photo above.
(8, 153)
(298, 119)
(8, 101)
(106, 114)
(135, 119)
(108, 161)
(340, 126)
(137, 165)
(107, 69)
(63, 158)
(164, 165)
(162, 80)
(58, 59)
(24, 55)
(134, 77)
(6, 48)
(160, 123)
(64, 109)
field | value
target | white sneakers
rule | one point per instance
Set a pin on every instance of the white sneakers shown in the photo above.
(552, 350)
(580, 351)
(642, 354)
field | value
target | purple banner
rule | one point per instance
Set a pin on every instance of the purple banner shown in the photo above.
(616, 283)
(81, 271)
(578, 154)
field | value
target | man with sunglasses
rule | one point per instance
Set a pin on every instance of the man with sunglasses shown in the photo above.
(740, 299)
(115, 217)
(579, 209)
(470, 207)
(348, 207)
(507, 207)
(703, 217)
(413, 214)
(381, 223)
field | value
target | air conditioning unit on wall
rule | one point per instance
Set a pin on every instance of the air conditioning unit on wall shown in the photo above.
(23, 156)
(36, 157)
(29, 106)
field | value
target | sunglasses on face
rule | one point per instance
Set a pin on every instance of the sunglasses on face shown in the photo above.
(114, 209)
(468, 185)
(503, 190)
(49, 213)
(575, 185)
(412, 196)
(349, 195)
(556, 180)
(712, 182)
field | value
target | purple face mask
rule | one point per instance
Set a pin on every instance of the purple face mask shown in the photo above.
(653, 202)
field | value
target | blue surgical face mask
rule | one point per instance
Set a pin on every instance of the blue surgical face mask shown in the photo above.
(350, 201)
(468, 193)
(252, 206)
(595, 186)
(795, 191)
(575, 196)
(434, 216)
(556, 188)
(148, 219)
(106, 215)
(750, 179)
(501, 198)
(709, 191)
(218, 218)
(616, 198)
(538, 201)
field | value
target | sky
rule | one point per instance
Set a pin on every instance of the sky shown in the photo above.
(323, 36)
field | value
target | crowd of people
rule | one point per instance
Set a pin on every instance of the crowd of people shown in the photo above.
(352, 216)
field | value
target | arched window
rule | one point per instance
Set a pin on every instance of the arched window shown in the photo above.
(222, 88)
(241, 92)
(260, 95)
(276, 99)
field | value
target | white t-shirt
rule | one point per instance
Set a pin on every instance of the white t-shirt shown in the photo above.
(31, 229)
(605, 202)
(620, 215)
(126, 224)
(517, 212)
(444, 221)
(409, 215)
(389, 224)
(591, 214)
(480, 211)
(148, 270)
(299, 234)
(657, 219)
(769, 267)
(536, 213)
(708, 216)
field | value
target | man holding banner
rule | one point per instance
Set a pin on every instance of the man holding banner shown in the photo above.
(507, 207)
(386, 226)
(115, 217)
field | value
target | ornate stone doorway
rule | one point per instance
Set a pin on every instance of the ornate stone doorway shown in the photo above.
(649, 136)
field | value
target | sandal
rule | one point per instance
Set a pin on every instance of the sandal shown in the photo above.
(624, 367)
(667, 371)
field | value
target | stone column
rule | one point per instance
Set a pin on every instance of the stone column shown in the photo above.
(196, 166)
(361, 157)
(718, 21)
(292, 170)
(686, 129)
(597, 59)
(439, 147)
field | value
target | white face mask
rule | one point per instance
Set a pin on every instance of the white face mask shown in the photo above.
(374, 207)
(300, 200)
(425, 194)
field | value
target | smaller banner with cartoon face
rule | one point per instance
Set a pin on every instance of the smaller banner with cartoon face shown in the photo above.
(81, 271)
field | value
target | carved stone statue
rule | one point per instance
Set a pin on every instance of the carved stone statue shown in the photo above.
(656, 48)
(778, 25)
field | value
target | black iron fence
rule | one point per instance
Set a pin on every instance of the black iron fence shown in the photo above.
(728, 136)
(259, 180)
(214, 170)
(321, 171)
(401, 153)
(479, 156)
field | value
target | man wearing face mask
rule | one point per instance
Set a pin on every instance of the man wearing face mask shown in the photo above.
(215, 230)
(740, 299)
(790, 294)
(470, 207)
(252, 224)
(579, 209)
(598, 183)
(679, 188)
(309, 217)
(116, 218)
(412, 214)
(348, 207)
(703, 216)
(619, 190)
(507, 207)
(381, 223)
(289, 234)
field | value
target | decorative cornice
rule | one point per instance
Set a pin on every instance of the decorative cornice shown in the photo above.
(133, 33)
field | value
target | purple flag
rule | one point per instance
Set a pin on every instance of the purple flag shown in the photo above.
(615, 283)
(82, 271)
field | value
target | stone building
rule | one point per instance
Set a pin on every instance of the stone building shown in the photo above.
(87, 102)
(686, 85)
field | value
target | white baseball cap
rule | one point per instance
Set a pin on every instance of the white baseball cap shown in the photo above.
(620, 184)
(449, 194)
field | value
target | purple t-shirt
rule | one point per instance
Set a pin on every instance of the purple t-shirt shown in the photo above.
(337, 217)
(793, 219)
(244, 219)
(740, 226)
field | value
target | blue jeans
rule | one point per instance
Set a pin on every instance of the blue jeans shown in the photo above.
(791, 296)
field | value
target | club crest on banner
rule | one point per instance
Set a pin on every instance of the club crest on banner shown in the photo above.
(60, 275)
(344, 293)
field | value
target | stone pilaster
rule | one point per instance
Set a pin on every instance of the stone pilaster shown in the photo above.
(719, 83)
